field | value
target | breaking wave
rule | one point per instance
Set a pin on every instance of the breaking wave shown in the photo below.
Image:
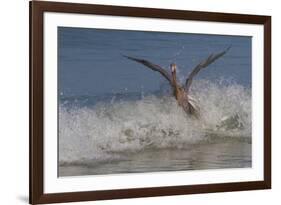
(109, 130)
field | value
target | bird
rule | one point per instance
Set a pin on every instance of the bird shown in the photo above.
(181, 92)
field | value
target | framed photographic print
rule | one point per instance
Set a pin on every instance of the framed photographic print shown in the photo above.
(139, 102)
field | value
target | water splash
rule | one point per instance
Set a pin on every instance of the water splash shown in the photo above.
(95, 133)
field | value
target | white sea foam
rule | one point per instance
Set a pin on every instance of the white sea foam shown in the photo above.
(93, 134)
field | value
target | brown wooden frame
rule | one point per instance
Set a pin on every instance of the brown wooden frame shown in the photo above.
(37, 8)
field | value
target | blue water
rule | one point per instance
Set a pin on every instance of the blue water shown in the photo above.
(117, 116)
(90, 61)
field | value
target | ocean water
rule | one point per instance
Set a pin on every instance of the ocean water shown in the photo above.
(116, 116)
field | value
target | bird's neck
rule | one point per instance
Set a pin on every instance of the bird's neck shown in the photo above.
(175, 84)
(174, 78)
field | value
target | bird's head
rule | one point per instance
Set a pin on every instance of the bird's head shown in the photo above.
(173, 67)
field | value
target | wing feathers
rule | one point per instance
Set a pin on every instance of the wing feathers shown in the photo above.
(203, 64)
(152, 67)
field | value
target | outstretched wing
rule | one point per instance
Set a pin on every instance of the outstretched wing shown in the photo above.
(152, 67)
(203, 64)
